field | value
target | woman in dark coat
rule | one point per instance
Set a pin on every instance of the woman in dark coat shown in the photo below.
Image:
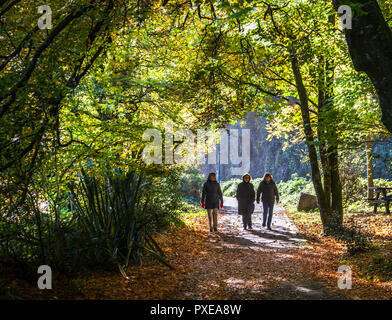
(246, 197)
(210, 198)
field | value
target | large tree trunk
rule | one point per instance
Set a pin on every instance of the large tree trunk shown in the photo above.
(333, 142)
(324, 161)
(370, 45)
(321, 130)
(328, 142)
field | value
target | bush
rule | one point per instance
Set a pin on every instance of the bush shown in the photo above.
(108, 220)
(290, 190)
(351, 186)
(229, 187)
(356, 241)
(191, 182)
(116, 219)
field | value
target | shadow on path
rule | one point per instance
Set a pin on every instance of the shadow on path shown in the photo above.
(256, 264)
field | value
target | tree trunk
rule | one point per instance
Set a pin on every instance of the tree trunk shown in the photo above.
(328, 143)
(333, 142)
(325, 165)
(325, 209)
(369, 165)
(321, 130)
(370, 45)
(336, 186)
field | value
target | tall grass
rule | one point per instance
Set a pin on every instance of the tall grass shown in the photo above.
(113, 216)
(98, 221)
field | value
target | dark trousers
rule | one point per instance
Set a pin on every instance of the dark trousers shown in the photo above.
(247, 219)
(268, 209)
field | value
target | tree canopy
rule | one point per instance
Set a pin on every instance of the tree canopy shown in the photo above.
(76, 98)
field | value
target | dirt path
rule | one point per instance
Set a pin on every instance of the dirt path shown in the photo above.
(284, 234)
(230, 264)
(254, 264)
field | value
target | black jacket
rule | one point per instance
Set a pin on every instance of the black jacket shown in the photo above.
(268, 190)
(211, 194)
(245, 196)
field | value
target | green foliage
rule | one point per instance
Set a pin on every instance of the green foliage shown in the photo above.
(304, 218)
(229, 187)
(106, 221)
(290, 190)
(67, 101)
(192, 210)
(191, 184)
(114, 220)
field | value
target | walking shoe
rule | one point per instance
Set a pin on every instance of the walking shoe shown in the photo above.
(250, 228)
(263, 224)
(269, 228)
(245, 228)
(211, 229)
(215, 229)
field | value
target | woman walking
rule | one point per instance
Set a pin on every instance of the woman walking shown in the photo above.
(246, 196)
(210, 198)
(269, 191)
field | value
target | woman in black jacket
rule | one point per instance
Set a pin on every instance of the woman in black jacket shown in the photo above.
(246, 196)
(210, 198)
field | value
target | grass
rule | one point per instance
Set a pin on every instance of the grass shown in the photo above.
(191, 210)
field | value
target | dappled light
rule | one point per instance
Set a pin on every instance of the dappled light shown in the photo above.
(195, 150)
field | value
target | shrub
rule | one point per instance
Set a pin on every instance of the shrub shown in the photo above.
(229, 187)
(116, 218)
(105, 221)
(191, 182)
(290, 190)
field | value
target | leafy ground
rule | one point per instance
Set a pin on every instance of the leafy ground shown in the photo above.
(237, 264)
(372, 259)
